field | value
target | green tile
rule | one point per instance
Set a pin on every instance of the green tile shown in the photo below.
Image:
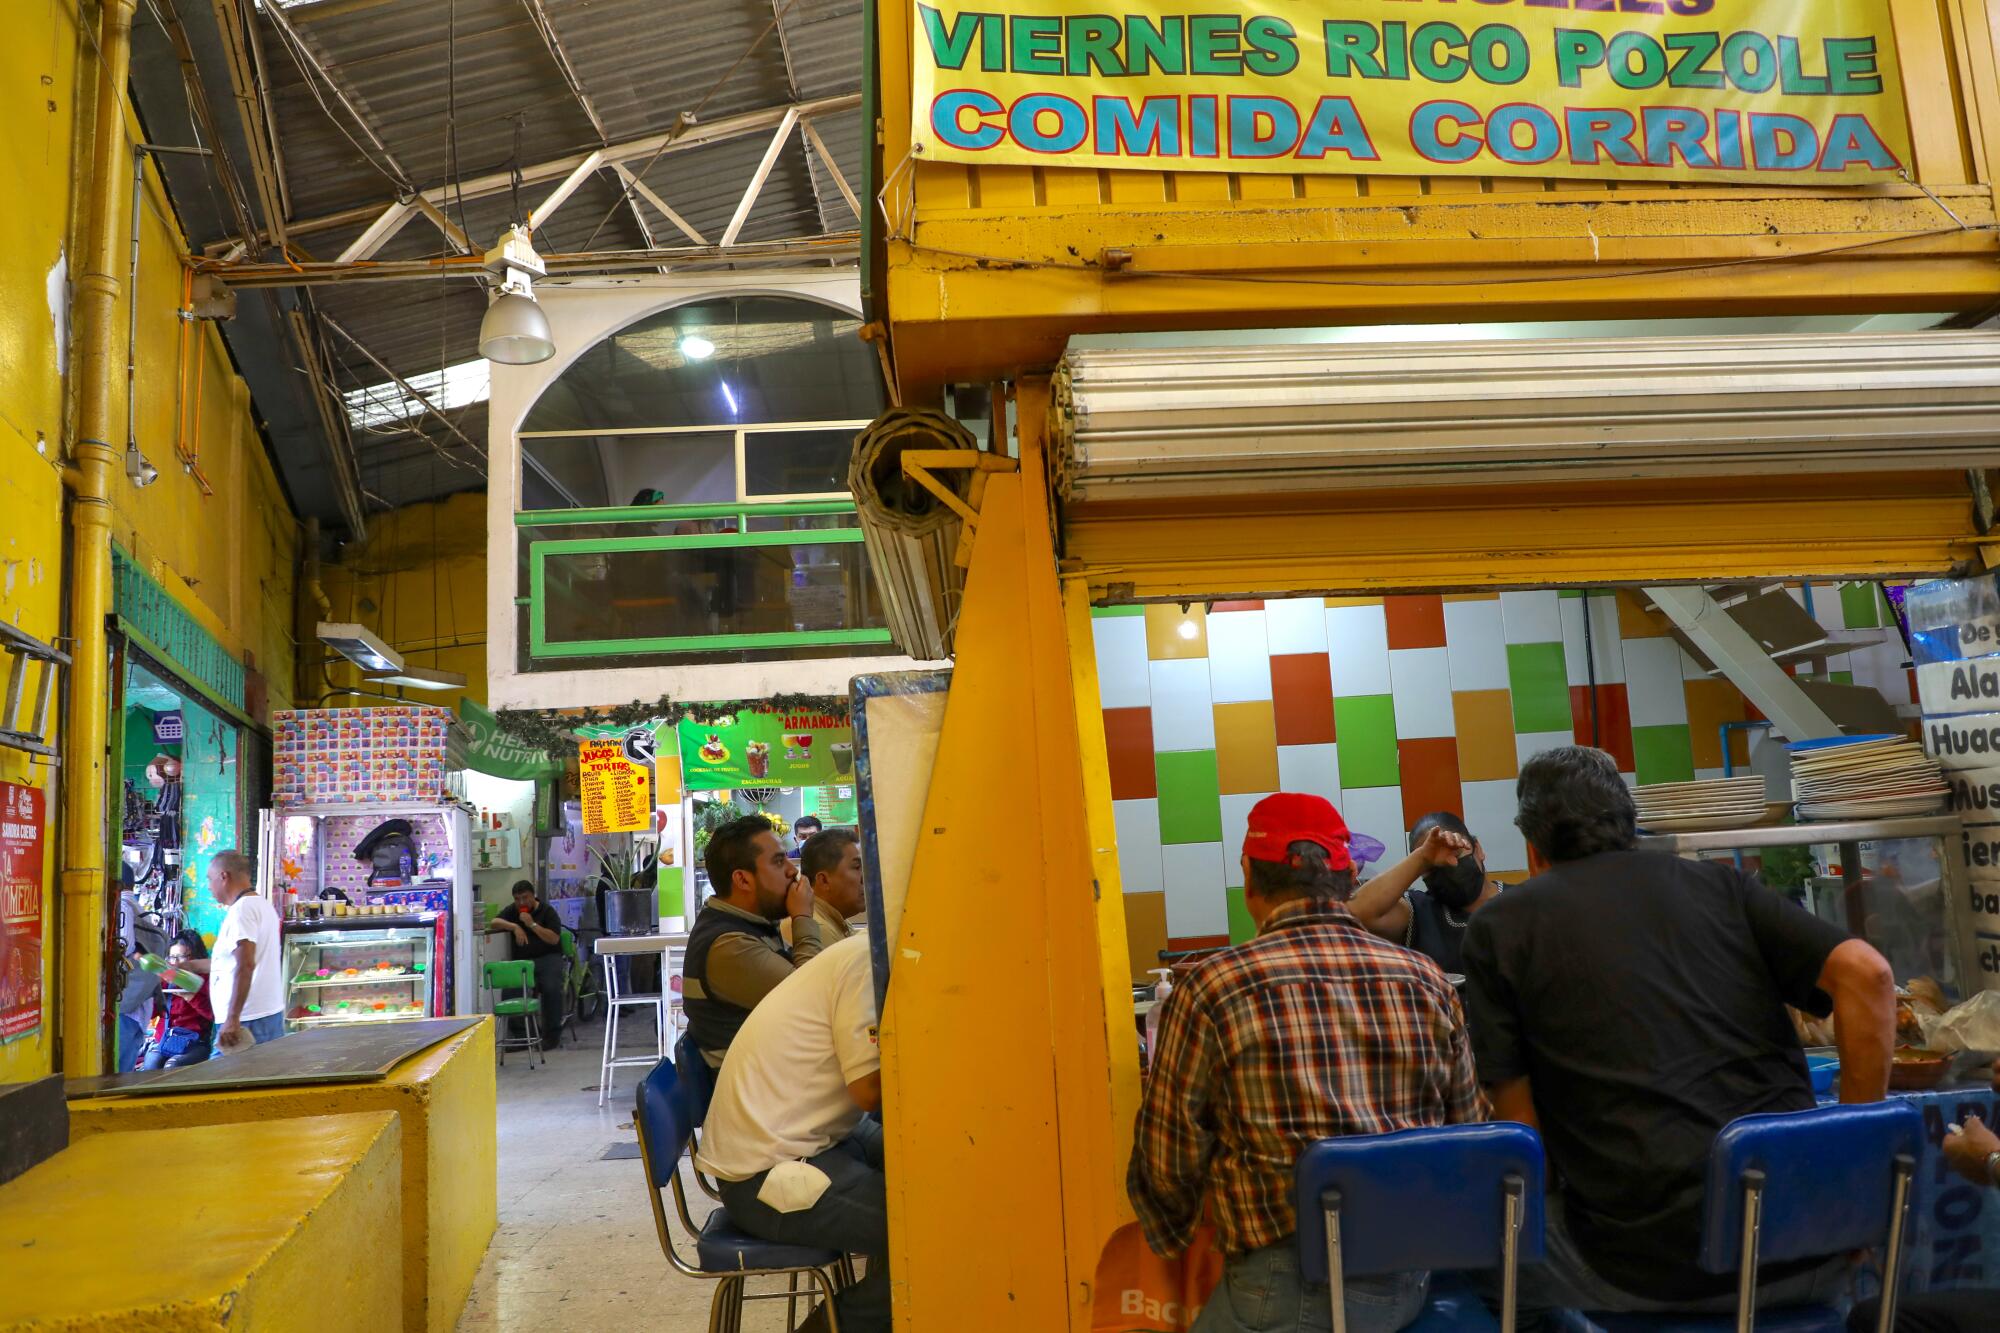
(1190, 796)
(1241, 927)
(1539, 682)
(1112, 612)
(670, 892)
(1663, 754)
(1843, 677)
(1860, 606)
(1566, 593)
(1364, 726)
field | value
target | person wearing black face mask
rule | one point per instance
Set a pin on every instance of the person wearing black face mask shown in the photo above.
(1452, 865)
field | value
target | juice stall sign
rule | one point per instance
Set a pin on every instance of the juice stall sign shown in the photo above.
(616, 793)
(1802, 94)
(21, 863)
(767, 748)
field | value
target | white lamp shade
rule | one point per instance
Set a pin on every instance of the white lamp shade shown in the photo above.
(515, 332)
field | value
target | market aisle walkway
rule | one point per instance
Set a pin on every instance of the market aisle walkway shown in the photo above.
(576, 1248)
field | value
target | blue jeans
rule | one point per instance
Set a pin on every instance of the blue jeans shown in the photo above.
(268, 1028)
(1262, 1292)
(131, 1041)
(851, 1217)
(182, 1046)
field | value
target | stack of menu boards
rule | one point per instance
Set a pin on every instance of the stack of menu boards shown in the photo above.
(1955, 642)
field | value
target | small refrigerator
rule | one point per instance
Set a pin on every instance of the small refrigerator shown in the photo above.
(375, 969)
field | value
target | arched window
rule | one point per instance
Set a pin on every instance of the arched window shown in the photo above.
(684, 492)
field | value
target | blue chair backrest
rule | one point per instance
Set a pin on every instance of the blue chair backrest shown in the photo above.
(697, 1079)
(663, 1121)
(1828, 1181)
(1419, 1198)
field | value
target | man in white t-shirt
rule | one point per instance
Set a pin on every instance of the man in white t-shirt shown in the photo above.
(246, 975)
(786, 1135)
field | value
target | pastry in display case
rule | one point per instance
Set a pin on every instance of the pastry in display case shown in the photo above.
(365, 969)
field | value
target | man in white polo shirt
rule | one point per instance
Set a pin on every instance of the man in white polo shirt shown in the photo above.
(246, 975)
(786, 1134)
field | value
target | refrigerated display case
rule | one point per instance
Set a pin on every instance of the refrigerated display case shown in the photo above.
(365, 969)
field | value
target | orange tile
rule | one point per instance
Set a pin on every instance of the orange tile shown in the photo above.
(1164, 640)
(1472, 597)
(1145, 931)
(1711, 703)
(1430, 778)
(1636, 622)
(1128, 743)
(1246, 747)
(1415, 621)
(1485, 725)
(1353, 601)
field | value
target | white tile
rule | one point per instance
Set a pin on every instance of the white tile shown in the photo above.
(1531, 617)
(1605, 645)
(1826, 605)
(1183, 713)
(1476, 638)
(1239, 657)
(1122, 679)
(1296, 624)
(1313, 769)
(1378, 812)
(1194, 889)
(1138, 824)
(1357, 640)
(1235, 823)
(1653, 683)
(1423, 693)
(1528, 744)
(1711, 775)
(1489, 813)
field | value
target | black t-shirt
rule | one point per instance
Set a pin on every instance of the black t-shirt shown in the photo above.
(1643, 997)
(543, 916)
(1431, 932)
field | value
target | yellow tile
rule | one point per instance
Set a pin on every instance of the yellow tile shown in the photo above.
(1471, 597)
(1353, 601)
(1145, 931)
(1246, 747)
(1710, 703)
(1485, 727)
(1509, 876)
(1164, 639)
(1636, 622)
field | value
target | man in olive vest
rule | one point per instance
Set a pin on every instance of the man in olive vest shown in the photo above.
(736, 955)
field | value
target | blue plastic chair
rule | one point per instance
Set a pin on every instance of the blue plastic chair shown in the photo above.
(1455, 1197)
(697, 1089)
(1800, 1185)
(722, 1253)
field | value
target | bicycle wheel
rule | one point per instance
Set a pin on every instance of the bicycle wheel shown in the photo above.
(588, 1000)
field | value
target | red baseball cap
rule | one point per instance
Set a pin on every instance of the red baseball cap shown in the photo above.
(1276, 822)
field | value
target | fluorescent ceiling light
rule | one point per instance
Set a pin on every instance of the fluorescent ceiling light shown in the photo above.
(385, 404)
(419, 678)
(359, 646)
(697, 348)
(729, 396)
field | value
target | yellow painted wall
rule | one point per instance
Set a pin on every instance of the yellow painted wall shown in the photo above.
(230, 556)
(419, 582)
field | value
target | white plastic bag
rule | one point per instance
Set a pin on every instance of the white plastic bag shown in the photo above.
(1973, 1026)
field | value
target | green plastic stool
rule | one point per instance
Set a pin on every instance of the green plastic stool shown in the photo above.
(516, 975)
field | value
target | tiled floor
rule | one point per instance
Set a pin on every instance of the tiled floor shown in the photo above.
(576, 1247)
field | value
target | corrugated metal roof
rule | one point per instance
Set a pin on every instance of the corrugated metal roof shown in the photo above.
(431, 76)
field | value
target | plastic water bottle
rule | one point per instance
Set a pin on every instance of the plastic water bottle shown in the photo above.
(1161, 990)
(177, 977)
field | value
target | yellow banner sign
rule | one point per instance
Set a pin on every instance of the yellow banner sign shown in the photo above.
(1802, 92)
(616, 793)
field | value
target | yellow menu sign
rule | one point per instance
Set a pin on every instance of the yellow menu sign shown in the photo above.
(617, 793)
(1777, 90)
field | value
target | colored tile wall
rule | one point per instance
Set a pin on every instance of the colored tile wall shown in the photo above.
(1391, 708)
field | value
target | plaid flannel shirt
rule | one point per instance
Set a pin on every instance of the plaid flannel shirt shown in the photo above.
(1314, 1029)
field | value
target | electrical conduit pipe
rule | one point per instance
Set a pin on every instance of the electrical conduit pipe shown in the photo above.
(86, 876)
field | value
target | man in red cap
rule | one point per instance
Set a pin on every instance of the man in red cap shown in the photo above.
(1313, 1029)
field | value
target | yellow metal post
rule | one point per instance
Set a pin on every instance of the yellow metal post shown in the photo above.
(85, 874)
(998, 1038)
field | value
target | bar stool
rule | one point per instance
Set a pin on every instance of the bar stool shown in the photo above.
(613, 949)
(1456, 1197)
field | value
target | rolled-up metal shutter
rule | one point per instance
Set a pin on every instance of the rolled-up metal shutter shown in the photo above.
(1204, 421)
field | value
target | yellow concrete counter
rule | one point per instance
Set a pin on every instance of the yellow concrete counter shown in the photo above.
(445, 1099)
(270, 1226)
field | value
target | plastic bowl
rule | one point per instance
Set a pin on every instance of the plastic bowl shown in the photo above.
(1824, 1069)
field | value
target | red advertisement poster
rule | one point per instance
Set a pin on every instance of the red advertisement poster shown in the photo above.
(20, 910)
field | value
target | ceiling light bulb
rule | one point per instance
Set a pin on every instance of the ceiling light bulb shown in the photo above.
(697, 348)
(1189, 629)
